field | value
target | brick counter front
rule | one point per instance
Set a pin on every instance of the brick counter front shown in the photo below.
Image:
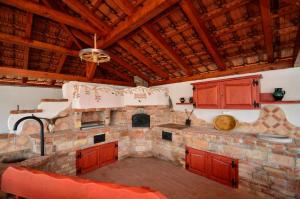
(264, 168)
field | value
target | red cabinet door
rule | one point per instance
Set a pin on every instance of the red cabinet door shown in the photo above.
(207, 95)
(216, 167)
(87, 160)
(108, 153)
(95, 157)
(222, 169)
(240, 94)
(196, 161)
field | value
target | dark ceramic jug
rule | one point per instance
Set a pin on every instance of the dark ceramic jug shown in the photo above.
(278, 94)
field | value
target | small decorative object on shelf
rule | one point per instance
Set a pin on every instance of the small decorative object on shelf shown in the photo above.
(278, 94)
(188, 120)
(182, 100)
(191, 100)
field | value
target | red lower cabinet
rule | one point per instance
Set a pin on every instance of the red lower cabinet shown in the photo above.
(94, 157)
(216, 167)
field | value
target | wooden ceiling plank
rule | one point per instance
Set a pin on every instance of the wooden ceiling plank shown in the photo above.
(160, 41)
(63, 57)
(83, 37)
(136, 53)
(115, 58)
(90, 70)
(125, 6)
(202, 31)
(297, 45)
(66, 29)
(49, 13)
(124, 64)
(36, 44)
(87, 14)
(141, 16)
(124, 76)
(232, 71)
(267, 28)
(96, 5)
(29, 18)
(4, 70)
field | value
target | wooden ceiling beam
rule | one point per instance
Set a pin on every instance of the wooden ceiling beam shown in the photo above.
(293, 2)
(107, 67)
(267, 28)
(90, 70)
(66, 28)
(36, 44)
(29, 18)
(148, 62)
(141, 16)
(202, 31)
(130, 68)
(160, 41)
(4, 70)
(125, 6)
(49, 13)
(87, 14)
(18, 83)
(231, 71)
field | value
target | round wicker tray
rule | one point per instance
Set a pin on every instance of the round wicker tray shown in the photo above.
(225, 122)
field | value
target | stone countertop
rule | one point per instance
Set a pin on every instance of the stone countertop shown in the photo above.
(242, 138)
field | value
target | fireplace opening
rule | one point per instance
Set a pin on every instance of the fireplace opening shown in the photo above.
(92, 119)
(141, 120)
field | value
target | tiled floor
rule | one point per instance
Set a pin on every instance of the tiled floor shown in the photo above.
(174, 182)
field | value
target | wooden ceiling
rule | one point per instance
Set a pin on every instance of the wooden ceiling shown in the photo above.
(160, 41)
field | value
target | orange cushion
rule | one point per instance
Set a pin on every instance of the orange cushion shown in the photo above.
(34, 184)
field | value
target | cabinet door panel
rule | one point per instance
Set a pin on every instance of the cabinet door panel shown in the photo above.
(89, 159)
(196, 161)
(107, 153)
(207, 95)
(239, 94)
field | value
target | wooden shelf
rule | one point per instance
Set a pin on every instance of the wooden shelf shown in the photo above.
(267, 98)
(185, 103)
(281, 102)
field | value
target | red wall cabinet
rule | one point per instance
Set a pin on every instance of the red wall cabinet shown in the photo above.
(94, 157)
(216, 167)
(235, 93)
(207, 95)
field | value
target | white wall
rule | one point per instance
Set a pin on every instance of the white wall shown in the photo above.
(26, 97)
(288, 79)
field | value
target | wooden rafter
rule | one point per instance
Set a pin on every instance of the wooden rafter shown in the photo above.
(124, 76)
(21, 83)
(4, 70)
(147, 12)
(52, 14)
(36, 44)
(267, 28)
(124, 64)
(29, 18)
(232, 71)
(96, 5)
(160, 41)
(90, 70)
(202, 31)
(136, 53)
(66, 28)
(293, 2)
(87, 14)
(125, 6)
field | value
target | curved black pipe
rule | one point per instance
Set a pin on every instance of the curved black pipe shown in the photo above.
(41, 130)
